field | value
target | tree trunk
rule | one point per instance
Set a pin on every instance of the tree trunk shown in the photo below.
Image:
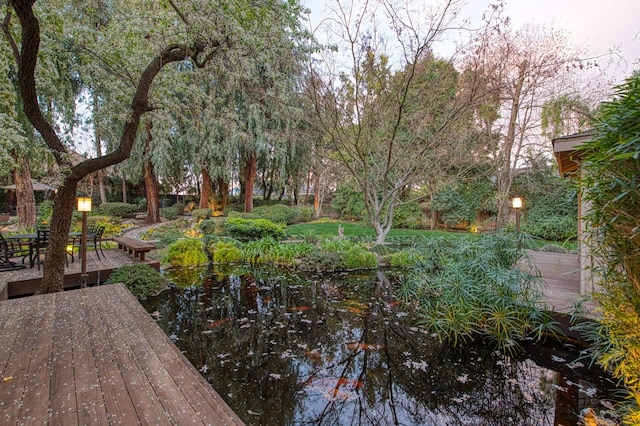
(25, 200)
(26, 56)
(151, 183)
(207, 189)
(223, 187)
(124, 188)
(317, 206)
(55, 260)
(99, 173)
(249, 181)
(505, 174)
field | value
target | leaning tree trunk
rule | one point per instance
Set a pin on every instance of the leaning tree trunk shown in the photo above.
(249, 181)
(25, 200)
(63, 205)
(26, 55)
(207, 189)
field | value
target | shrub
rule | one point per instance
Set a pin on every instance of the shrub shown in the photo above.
(169, 213)
(141, 279)
(253, 229)
(208, 226)
(186, 252)
(554, 228)
(358, 258)
(201, 214)
(303, 214)
(408, 216)
(278, 213)
(117, 209)
(112, 226)
(226, 252)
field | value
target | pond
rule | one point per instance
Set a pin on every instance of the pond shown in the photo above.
(291, 349)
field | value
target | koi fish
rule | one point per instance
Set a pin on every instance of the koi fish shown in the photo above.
(357, 304)
(299, 308)
(219, 322)
(394, 303)
(356, 346)
(355, 310)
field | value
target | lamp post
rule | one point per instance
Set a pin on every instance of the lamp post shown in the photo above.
(516, 203)
(84, 206)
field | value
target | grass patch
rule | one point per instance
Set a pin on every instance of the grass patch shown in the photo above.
(325, 229)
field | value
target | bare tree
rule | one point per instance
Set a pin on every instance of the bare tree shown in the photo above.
(389, 118)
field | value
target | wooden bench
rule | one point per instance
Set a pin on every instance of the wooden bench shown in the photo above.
(135, 247)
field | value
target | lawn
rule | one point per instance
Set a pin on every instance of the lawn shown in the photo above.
(351, 229)
(327, 229)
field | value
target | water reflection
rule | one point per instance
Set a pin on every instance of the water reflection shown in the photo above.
(286, 349)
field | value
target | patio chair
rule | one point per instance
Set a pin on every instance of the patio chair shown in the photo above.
(94, 238)
(10, 250)
(39, 245)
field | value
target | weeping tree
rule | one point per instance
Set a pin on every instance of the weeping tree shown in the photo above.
(198, 39)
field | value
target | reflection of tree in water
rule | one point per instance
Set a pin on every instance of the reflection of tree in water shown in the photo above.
(284, 349)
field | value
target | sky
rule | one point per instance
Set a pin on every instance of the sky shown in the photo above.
(595, 26)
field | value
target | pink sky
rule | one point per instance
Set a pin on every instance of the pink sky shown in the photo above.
(596, 26)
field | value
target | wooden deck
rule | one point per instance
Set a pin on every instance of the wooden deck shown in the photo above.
(26, 281)
(95, 356)
(561, 273)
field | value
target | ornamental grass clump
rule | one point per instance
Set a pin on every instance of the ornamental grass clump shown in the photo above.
(478, 287)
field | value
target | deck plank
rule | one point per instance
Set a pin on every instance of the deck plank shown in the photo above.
(38, 378)
(94, 356)
(62, 402)
(17, 366)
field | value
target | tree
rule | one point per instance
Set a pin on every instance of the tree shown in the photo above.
(388, 129)
(203, 42)
(514, 74)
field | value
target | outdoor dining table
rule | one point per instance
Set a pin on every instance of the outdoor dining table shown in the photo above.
(31, 238)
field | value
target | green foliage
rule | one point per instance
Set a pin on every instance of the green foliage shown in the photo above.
(169, 213)
(208, 226)
(551, 204)
(44, 210)
(406, 258)
(302, 214)
(611, 167)
(253, 229)
(201, 214)
(278, 213)
(117, 209)
(268, 250)
(475, 287)
(186, 252)
(409, 216)
(141, 279)
(553, 228)
(226, 252)
(348, 202)
(452, 207)
(112, 225)
(358, 258)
